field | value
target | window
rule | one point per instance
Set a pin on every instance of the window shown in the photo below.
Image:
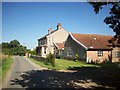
(100, 53)
(42, 42)
(44, 50)
(45, 41)
(117, 54)
(38, 43)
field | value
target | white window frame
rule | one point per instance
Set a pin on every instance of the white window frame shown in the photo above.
(117, 54)
(100, 53)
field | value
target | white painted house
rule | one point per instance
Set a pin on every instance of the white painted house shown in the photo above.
(52, 41)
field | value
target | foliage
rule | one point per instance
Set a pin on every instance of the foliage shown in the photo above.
(32, 52)
(113, 20)
(13, 48)
(76, 57)
(51, 59)
(14, 44)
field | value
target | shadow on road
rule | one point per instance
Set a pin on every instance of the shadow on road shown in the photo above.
(44, 79)
(106, 77)
(85, 79)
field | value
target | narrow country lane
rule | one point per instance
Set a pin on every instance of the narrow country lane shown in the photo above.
(20, 66)
(26, 74)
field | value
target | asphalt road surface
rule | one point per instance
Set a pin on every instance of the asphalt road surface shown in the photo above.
(26, 74)
(20, 66)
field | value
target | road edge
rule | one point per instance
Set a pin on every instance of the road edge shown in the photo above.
(35, 65)
(8, 74)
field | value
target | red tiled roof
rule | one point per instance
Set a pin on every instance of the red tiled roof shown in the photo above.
(96, 41)
(60, 45)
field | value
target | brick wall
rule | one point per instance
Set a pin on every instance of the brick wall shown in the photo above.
(93, 55)
(114, 58)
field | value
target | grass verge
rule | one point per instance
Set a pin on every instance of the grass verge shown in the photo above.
(63, 64)
(6, 63)
(0, 73)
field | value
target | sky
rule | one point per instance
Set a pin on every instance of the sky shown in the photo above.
(29, 21)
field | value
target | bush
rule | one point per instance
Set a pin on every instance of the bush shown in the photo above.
(51, 59)
(76, 57)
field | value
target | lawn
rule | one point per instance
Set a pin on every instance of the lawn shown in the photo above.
(64, 64)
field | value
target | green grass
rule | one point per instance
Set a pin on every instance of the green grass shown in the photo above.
(64, 64)
(6, 63)
(42, 64)
(0, 73)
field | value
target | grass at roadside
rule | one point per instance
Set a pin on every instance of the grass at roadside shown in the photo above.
(0, 73)
(6, 63)
(63, 64)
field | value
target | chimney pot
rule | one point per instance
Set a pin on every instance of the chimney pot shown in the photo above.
(49, 30)
(59, 26)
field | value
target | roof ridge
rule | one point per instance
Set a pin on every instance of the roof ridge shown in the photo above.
(47, 34)
(91, 34)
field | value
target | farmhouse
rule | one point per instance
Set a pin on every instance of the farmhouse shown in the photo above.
(91, 47)
(52, 42)
(88, 47)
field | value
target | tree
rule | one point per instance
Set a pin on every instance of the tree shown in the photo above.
(14, 44)
(32, 52)
(22, 50)
(113, 20)
(13, 48)
(5, 45)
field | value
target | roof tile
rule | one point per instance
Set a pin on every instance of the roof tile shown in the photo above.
(94, 40)
(60, 45)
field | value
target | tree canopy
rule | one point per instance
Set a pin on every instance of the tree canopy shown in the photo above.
(32, 52)
(113, 20)
(13, 48)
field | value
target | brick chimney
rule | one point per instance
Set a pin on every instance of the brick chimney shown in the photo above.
(59, 26)
(49, 30)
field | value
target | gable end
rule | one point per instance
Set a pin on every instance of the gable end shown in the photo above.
(78, 41)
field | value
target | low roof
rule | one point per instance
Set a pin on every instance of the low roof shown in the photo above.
(93, 41)
(59, 45)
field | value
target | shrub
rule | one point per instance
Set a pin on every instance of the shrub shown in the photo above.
(51, 59)
(76, 57)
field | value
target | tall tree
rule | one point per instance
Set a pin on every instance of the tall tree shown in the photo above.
(113, 20)
(13, 48)
(14, 43)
